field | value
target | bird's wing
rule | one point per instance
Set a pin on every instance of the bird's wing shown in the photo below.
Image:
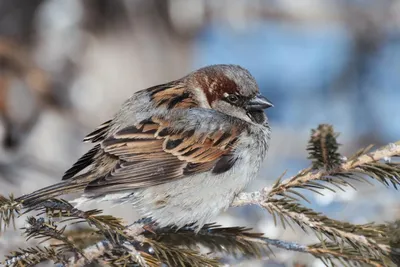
(171, 95)
(99, 133)
(165, 148)
(87, 159)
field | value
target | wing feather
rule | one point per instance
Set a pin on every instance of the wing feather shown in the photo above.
(83, 162)
(98, 134)
(89, 158)
(162, 149)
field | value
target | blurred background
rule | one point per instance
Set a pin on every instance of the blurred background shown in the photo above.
(66, 67)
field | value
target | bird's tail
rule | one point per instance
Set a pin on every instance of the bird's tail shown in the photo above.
(74, 185)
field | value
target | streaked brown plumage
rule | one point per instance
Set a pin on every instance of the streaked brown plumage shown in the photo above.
(170, 138)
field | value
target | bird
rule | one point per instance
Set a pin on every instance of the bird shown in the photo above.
(179, 152)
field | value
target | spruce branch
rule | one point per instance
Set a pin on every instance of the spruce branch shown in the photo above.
(176, 247)
(40, 229)
(366, 163)
(134, 246)
(394, 241)
(164, 238)
(63, 209)
(372, 238)
(235, 241)
(109, 253)
(368, 239)
(9, 209)
(180, 257)
(331, 253)
(34, 255)
(359, 167)
(323, 148)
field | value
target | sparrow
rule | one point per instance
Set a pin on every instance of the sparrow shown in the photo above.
(179, 152)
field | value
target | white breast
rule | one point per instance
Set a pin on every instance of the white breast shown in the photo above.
(201, 197)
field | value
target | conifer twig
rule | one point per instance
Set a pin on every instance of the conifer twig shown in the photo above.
(306, 175)
(371, 239)
(323, 250)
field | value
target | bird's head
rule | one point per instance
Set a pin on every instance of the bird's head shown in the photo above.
(229, 89)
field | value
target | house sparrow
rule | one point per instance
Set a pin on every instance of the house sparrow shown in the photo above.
(180, 151)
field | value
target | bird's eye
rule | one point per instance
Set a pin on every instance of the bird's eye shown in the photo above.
(232, 98)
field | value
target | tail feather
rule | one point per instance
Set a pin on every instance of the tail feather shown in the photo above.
(52, 191)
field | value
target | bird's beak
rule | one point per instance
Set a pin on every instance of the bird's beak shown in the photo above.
(259, 102)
